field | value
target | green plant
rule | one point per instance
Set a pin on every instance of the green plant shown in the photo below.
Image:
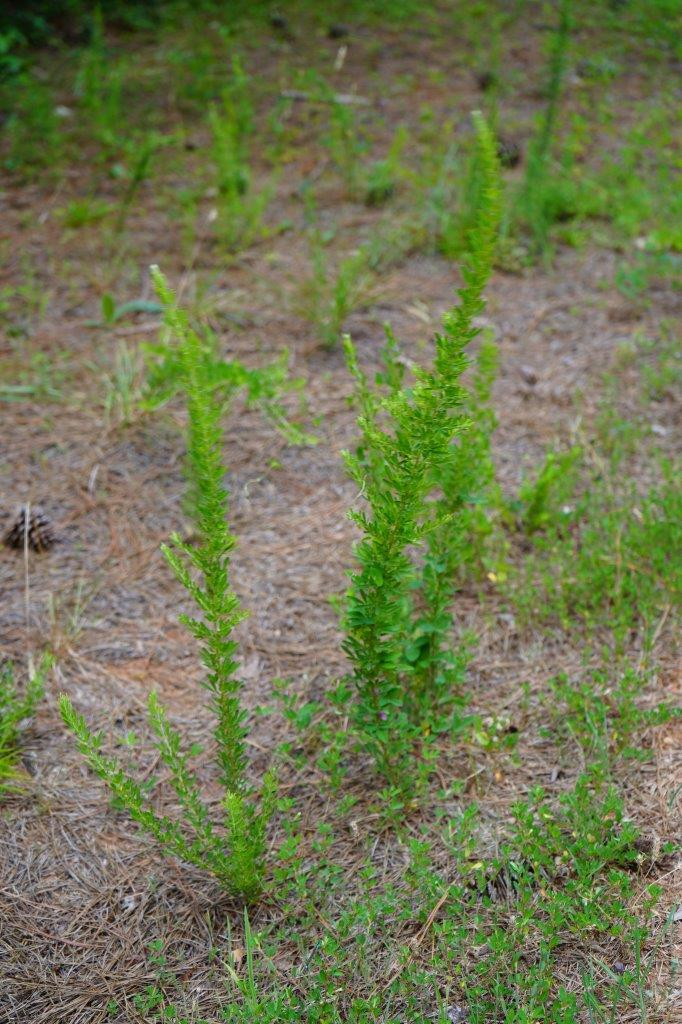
(661, 365)
(411, 435)
(223, 378)
(328, 297)
(457, 526)
(14, 709)
(345, 142)
(446, 190)
(138, 155)
(537, 503)
(79, 213)
(113, 311)
(32, 130)
(235, 852)
(42, 380)
(382, 177)
(603, 717)
(496, 926)
(99, 88)
(603, 557)
(122, 386)
(566, 872)
(535, 203)
(239, 208)
(636, 277)
(439, 195)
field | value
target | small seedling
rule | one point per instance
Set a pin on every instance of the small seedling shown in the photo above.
(328, 297)
(15, 708)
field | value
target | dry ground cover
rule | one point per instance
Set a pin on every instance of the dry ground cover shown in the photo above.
(450, 904)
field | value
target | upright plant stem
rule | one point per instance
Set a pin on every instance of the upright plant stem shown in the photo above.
(422, 422)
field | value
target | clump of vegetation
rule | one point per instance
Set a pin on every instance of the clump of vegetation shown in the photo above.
(223, 378)
(239, 207)
(603, 717)
(16, 707)
(234, 850)
(600, 551)
(329, 295)
(538, 205)
(344, 142)
(407, 447)
(99, 89)
(383, 176)
(538, 499)
(32, 130)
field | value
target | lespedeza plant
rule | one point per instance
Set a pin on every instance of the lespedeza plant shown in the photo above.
(411, 435)
(234, 850)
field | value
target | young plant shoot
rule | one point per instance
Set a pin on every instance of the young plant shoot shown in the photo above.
(409, 436)
(233, 850)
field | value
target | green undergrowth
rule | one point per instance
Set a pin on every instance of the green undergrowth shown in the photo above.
(15, 709)
(552, 918)
(598, 550)
(457, 932)
(107, 103)
(404, 865)
(263, 387)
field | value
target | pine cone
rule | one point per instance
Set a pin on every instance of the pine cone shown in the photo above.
(37, 531)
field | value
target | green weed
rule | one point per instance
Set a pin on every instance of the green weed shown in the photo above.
(34, 139)
(80, 212)
(15, 708)
(123, 388)
(345, 143)
(381, 179)
(239, 208)
(606, 561)
(223, 378)
(604, 717)
(661, 365)
(537, 203)
(538, 500)
(329, 296)
(202, 569)
(42, 380)
(410, 437)
(99, 88)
